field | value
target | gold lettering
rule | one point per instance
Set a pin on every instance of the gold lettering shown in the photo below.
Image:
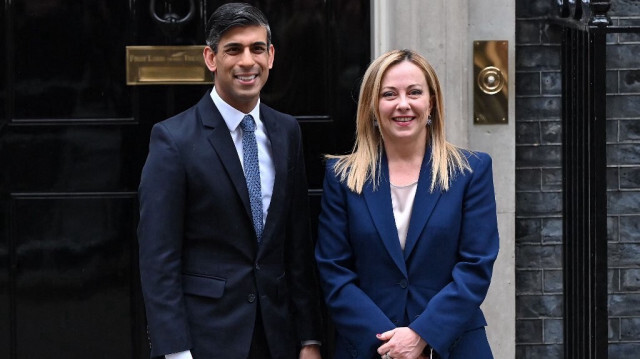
(166, 65)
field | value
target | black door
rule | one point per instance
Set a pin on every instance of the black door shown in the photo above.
(74, 136)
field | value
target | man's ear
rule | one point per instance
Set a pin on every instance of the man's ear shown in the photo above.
(209, 58)
(272, 52)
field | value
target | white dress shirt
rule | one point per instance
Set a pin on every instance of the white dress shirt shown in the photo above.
(402, 201)
(232, 118)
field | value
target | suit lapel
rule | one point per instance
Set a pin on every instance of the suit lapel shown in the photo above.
(280, 155)
(224, 147)
(423, 204)
(381, 210)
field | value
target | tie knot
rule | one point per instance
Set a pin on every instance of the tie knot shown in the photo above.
(248, 124)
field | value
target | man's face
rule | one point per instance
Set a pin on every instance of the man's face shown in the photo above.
(241, 65)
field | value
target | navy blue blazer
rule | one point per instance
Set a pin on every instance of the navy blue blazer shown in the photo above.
(202, 272)
(435, 286)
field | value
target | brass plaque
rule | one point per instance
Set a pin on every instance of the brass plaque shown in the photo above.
(167, 65)
(490, 82)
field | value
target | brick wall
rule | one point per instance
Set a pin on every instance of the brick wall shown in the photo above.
(623, 182)
(539, 183)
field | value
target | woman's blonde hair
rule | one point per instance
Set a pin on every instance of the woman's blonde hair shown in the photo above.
(363, 163)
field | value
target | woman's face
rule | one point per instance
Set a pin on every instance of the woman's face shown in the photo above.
(404, 105)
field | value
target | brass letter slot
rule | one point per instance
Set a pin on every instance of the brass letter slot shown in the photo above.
(490, 84)
(166, 65)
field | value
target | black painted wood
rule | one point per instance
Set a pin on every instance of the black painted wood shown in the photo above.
(73, 139)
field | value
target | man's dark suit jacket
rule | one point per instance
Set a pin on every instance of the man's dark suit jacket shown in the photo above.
(203, 273)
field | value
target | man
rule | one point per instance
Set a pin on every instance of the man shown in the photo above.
(226, 258)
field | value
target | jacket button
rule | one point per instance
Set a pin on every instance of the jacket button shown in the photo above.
(403, 283)
(251, 298)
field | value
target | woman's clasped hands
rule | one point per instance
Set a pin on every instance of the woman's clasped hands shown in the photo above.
(401, 343)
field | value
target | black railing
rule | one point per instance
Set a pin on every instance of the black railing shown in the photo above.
(584, 192)
(584, 30)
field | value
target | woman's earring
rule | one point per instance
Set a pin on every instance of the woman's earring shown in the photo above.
(375, 123)
(429, 120)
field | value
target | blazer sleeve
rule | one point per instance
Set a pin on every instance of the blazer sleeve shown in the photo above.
(356, 317)
(449, 312)
(160, 234)
(301, 269)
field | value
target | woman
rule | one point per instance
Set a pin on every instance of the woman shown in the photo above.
(408, 233)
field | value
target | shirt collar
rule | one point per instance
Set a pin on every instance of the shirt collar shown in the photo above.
(230, 115)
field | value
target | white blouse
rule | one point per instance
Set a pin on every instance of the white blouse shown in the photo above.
(402, 201)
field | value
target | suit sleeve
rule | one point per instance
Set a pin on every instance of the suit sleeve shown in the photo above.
(160, 233)
(301, 269)
(356, 317)
(449, 311)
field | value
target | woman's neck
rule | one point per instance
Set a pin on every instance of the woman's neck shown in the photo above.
(404, 162)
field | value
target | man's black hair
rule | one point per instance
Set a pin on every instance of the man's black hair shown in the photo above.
(232, 15)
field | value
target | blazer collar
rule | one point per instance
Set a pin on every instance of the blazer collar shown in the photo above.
(280, 155)
(381, 210)
(223, 145)
(423, 205)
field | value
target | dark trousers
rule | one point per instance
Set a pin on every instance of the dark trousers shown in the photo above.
(259, 347)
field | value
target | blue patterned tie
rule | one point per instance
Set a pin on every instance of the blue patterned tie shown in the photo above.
(252, 172)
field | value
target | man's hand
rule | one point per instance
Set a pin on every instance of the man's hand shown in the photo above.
(401, 343)
(310, 352)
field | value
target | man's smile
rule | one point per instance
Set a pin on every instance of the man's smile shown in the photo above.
(246, 78)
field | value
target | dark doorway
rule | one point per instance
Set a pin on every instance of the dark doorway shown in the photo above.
(74, 136)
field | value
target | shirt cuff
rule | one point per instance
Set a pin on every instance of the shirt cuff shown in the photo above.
(181, 355)
(311, 342)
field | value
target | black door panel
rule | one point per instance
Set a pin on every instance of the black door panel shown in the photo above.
(74, 137)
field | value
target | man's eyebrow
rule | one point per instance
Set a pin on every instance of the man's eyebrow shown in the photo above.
(237, 44)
